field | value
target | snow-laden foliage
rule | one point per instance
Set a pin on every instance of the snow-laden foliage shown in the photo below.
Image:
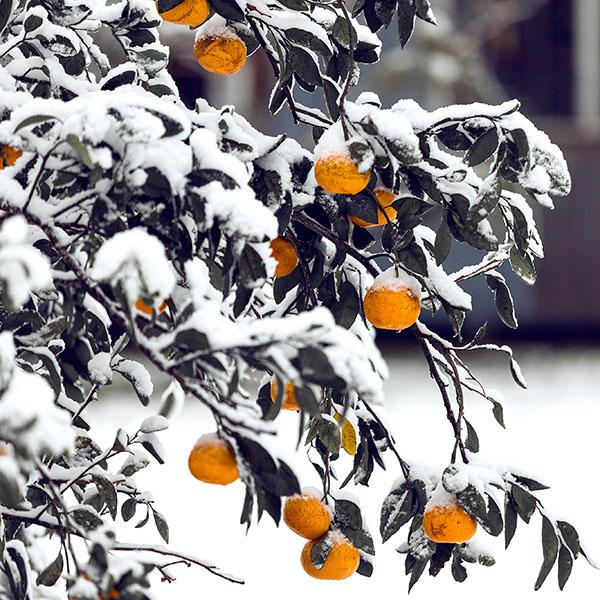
(132, 224)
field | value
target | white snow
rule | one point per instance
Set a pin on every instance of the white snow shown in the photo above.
(397, 279)
(423, 436)
(137, 373)
(153, 424)
(27, 410)
(138, 260)
(99, 368)
(23, 268)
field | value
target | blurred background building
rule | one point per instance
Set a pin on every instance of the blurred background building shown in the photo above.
(544, 52)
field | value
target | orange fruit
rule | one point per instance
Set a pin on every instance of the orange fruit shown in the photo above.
(184, 12)
(212, 460)
(221, 53)
(142, 307)
(385, 199)
(306, 515)
(289, 398)
(285, 254)
(338, 174)
(9, 156)
(342, 561)
(3, 448)
(449, 524)
(391, 304)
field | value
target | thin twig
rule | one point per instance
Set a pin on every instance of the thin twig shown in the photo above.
(326, 233)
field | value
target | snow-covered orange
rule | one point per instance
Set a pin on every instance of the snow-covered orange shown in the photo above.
(220, 51)
(289, 398)
(393, 301)
(284, 253)
(184, 12)
(339, 174)
(142, 307)
(9, 156)
(385, 198)
(448, 524)
(342, 561)
(306, 515)
(212, 460)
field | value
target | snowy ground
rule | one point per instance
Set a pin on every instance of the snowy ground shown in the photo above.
(552, 434)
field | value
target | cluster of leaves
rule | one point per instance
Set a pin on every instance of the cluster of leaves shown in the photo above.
(133, 198)
(497, 505)
(348, 519)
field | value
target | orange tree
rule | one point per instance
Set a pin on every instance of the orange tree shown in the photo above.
(215, 252)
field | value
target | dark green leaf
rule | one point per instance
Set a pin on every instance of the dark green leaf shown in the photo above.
(330, 435)
(503, 298)
(397, 510)
(49, 576)
(108, 493)
(550, 550)
(443, 241)
(510, 520)
(161, 526)
(128, 509)
(6, 7)
(525, 503)
(346, 309)
(344, 34)
(570, 536)
(251, 266)
(228, 9)
(565, 566)
(472, 441)
(523, 266)
(530, 484)
(483, 147)
(320, 551)
(348, 513)
(407, 12)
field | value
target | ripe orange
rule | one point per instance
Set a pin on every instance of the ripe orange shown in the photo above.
(3, 448)
(284, 252)
(391, 304)
(306, 515)
(186, 12)
(448, 524)
(221, 53)
(212, 460)
(9, 156)
(338, 174)
(141, 306)
(385, 199)
(289, 398)
(342, 561)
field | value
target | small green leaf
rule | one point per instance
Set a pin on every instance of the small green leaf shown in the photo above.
(32, 120)
(472, 441)
(108, 493)
(80, 149)
(443, 242)
(330, 435)
(503, 298)
(161, 525)
(49, 576)
(128, 509)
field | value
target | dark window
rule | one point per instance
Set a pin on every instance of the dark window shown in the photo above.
(533, 57)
